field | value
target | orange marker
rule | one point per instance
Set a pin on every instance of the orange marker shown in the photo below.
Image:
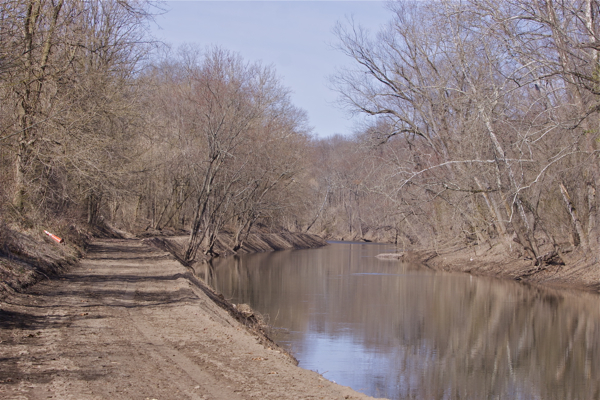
(54, 237)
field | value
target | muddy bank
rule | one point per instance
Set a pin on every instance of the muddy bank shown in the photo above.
(574, 270)
(376, 235)
(257, 242)
(130, 322)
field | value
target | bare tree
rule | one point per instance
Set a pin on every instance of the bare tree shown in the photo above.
(71, 85)
(228, 141)
(484, 104)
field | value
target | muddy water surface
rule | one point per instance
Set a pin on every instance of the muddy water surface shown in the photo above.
(395, 330)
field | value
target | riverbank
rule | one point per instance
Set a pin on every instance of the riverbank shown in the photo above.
(259, 241)
(573, 270)
(129, 321)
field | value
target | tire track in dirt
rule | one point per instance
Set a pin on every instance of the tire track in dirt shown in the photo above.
(165, 354)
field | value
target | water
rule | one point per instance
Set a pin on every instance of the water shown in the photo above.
(395, 330)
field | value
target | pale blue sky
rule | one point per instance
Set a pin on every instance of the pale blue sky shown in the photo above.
(294, 36)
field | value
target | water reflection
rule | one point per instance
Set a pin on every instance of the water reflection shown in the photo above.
(396, 330)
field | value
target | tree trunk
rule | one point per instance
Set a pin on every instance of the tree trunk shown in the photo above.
(93, 207)
(579, 237)
(320, 210)
(493, 208)
(592, 210)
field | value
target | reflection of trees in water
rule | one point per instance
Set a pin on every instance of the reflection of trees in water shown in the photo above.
(440, 336)
(205, 271)
(491, 338)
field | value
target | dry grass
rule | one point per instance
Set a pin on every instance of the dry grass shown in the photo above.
(28, 255)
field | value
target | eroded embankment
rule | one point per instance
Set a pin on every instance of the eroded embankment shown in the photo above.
(575, 271)
(26, 257)
(256, 242)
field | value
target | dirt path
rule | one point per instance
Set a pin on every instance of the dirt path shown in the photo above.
(130, 323)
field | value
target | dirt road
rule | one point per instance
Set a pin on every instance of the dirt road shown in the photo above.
(131, 323)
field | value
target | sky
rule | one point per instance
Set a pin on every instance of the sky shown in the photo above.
(295, 37)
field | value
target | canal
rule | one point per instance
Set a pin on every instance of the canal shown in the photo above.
(397, 330)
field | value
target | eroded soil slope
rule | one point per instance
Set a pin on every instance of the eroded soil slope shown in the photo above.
(131, 323)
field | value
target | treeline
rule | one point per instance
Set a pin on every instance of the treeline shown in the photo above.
(69, 96)
(100, 125)
(481, 126)
(223, 146)
(489, 112)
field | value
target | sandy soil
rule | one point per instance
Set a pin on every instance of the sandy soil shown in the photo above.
(131, 323)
